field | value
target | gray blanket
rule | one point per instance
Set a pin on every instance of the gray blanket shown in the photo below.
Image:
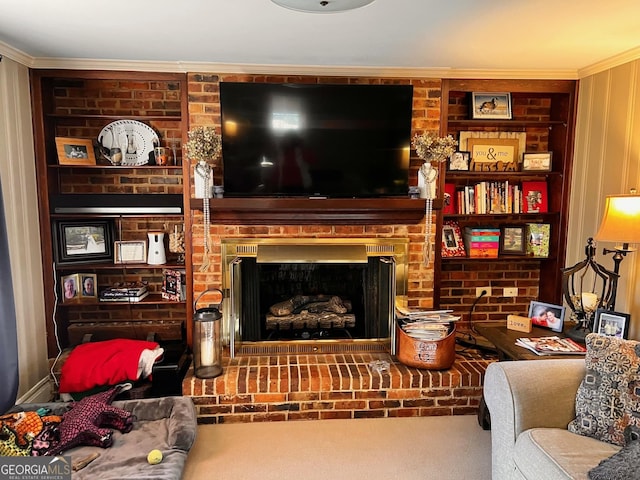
(168, 424)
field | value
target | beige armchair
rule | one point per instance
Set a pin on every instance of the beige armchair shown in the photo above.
(531, 403)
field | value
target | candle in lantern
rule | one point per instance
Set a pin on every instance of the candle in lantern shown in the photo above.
(589, 301)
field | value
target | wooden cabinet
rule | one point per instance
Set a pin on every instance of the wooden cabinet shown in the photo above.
(130, 200)
(543, 117)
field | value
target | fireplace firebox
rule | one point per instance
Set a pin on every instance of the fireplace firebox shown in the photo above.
(312, 295)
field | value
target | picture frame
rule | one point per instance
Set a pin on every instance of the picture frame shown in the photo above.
(70, 288)
(547, 315)
(536, 161)
(130, 251)
(88, 285)
(75, 151)
(459, 161)
(83, 241)
(513, 240)
(491, 105)
(611, 324)
(452, 241)
(538, 239)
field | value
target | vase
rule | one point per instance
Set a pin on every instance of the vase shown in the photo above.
(427, 180)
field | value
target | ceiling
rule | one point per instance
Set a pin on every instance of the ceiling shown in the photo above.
(551, 37)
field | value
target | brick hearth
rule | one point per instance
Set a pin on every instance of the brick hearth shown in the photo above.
(311, 387)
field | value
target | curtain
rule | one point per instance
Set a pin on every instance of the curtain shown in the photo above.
(8, 331)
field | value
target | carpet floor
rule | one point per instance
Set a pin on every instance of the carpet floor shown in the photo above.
(450, 447)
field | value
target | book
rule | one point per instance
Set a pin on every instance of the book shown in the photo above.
(553, 345)
(449, 205)
(129, 299)
(122, 293)
(129, 288)
(535, 197)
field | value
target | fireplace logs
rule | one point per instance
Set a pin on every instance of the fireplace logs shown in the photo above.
(310, 311)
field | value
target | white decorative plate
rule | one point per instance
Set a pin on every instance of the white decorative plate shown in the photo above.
(136, 139)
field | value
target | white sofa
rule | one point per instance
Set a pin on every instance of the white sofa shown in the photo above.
(531, 403)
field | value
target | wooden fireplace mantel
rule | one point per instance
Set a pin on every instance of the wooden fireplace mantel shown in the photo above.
(334, 211)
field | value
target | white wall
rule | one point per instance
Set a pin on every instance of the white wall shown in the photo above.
(17, 173)
(607, 162)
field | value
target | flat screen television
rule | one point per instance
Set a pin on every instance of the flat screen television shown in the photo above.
(336, 141)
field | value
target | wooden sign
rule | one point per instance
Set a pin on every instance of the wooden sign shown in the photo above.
(518, 323)
(493, 154)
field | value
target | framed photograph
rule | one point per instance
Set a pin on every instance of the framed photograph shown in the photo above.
(452, 242)
(547, 315)
(612, 324)
(536, 161)
(459, 161)
(88, 285)
(75, 151)
(535, 197)
(70, 288)
(83, 241)
(538, 239)
(491, 106)
(512, 240)
(130, 252)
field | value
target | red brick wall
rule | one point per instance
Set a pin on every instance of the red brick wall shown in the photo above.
(204, 109)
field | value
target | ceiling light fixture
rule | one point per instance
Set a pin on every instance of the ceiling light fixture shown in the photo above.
(322, 6)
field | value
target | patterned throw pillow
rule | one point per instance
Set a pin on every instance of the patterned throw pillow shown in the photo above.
(608, 399)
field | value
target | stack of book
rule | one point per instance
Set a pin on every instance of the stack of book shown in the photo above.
(481, 242)
(125, 292)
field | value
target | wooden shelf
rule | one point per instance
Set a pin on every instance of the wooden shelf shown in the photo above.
(116, 167)
(151, 299)
(350, 211)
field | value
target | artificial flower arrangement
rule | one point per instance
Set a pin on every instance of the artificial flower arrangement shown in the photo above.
(204, 145)
(431, 148)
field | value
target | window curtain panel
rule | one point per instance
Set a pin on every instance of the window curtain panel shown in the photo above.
(8, 332)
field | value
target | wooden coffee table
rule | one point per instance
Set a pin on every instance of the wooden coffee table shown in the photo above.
(505, 343)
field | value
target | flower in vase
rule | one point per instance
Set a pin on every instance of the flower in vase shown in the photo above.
(204, 145)
(432, 148)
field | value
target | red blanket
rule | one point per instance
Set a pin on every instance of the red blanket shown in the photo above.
(97, 364)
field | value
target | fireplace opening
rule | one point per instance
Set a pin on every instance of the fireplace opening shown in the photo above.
(301, 295)
(305, 301)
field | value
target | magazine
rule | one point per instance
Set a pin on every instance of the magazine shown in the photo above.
(553, 345)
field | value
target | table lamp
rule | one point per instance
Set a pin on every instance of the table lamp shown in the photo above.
(621, 225)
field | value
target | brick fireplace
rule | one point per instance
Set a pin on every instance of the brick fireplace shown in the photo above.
(284, 385)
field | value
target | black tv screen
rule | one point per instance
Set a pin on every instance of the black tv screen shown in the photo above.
(339, 141)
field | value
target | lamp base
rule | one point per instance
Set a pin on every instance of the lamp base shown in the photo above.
(579, 333)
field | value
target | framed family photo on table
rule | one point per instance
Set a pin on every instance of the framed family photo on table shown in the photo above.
(547, 315)
(612, 324)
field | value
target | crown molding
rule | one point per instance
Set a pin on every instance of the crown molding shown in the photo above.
(315, 70)
(609, 63)
(16, 55)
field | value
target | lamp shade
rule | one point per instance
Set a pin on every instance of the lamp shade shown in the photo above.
(621, 220)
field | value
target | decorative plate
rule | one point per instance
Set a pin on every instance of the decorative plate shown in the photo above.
(136, 139)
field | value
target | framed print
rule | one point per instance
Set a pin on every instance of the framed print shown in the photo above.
(612, 324)
(547, 315)
(536, 162)
(452, 242)
(75, 151)
(512, 240)
(459, 161)
(88, 285)
(538, 238)
(495, 106)
(70, 286)
(130, 252)
(83, 241)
